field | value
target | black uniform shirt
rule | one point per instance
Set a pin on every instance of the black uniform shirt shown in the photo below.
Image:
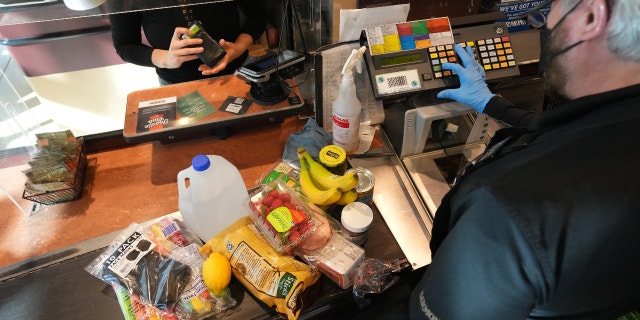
(547, 229)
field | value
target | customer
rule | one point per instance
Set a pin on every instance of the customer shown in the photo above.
(172, 57)
(545, 224)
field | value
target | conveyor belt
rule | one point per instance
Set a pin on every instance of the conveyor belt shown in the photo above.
(56, 286)
(60, 291)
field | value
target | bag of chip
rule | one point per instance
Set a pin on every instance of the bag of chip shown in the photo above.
(276, 279)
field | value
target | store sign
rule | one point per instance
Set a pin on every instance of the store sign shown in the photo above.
(513, 10)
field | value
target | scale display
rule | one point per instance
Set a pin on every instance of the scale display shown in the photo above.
(398, 60)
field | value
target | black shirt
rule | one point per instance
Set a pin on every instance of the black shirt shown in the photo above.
(221, 20)
(506, 112)
(548, 227)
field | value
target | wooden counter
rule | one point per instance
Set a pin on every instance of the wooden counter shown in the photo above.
(215, 91)
(133, 182)
(137, 183)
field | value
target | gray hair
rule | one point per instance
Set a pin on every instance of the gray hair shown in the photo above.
(623, 29)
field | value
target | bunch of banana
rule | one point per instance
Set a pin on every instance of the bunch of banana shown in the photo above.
(321, 186)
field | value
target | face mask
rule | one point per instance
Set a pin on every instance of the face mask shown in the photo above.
(547, 53)
(545, 34)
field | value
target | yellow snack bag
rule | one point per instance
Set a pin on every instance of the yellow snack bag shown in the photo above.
(276, 279)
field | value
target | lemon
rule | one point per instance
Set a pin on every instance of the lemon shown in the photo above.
(216, 273)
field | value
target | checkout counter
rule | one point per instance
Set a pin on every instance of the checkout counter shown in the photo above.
(406, 164)
(56, 286)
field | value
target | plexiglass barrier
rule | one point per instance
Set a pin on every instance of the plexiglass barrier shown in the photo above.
(18, 127)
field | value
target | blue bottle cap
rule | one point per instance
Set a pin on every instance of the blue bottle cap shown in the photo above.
(200, 162)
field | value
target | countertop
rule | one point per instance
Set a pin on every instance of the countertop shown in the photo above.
(137, 183)
(124, 185)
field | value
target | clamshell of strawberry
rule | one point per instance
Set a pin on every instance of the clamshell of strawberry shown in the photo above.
(281, 217)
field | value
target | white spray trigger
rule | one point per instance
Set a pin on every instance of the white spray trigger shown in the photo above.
(355, 59)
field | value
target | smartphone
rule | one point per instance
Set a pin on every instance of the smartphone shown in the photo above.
(268, 64)
(213, 51)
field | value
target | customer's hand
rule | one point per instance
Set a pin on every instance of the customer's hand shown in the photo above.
(473, 89)
(234, 50)
(232, 54)
(179, 50)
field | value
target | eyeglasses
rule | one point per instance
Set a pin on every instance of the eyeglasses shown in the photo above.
(534, 17)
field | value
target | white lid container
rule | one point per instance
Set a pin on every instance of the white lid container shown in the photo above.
(357, 218)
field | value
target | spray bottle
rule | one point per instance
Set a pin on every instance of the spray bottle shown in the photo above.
(347, 107)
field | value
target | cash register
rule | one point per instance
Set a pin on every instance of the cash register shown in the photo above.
(433, 137)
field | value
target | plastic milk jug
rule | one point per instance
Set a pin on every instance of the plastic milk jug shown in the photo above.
(211, 195)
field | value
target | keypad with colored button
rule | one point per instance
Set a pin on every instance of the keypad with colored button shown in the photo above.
(439, 55)
(492, 54)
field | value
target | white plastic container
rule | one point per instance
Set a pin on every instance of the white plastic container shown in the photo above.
(346, 117)
(356, 218)
(211, 195)
(347, 109)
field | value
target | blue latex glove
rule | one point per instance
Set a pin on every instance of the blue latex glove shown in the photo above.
(473, 89)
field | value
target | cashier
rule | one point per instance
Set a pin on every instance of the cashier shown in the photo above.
(175, 59)
(545, 224)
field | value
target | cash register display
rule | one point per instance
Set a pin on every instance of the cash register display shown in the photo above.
(398, 60)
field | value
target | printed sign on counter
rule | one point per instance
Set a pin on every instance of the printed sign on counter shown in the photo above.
(195, 106)
(236, 105)
(156, 114)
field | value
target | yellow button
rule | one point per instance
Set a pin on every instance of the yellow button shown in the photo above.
(487, 67)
